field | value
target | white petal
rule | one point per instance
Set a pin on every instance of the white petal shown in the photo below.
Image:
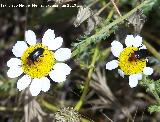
(133, 81)
(14, 62)
(30, 37)
(62, 54)
(143, 47)
(116, 48)
(112, 65)
(139, 76)
(14, 72)
(35, 87)
(57, 43)
(121, 73)
(57, 76)
(45, 84)
(19, 48)
(50, 40)
(62, 68)
(137, 41)
(23, 82)
(129, 41)
(147, 70)
(49, 34)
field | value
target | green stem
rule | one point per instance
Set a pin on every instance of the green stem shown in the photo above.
(49, 106)
(96, 37)
(109, 16)
(14, 109)
(86, 88)
(155, 94)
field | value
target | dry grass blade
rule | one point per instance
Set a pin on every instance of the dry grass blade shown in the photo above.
(32, 109)
(105, 94)
(83, 14)
(100, 85)
(92, 22)
(137, 20)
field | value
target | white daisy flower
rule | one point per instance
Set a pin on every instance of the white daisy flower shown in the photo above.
(38, 61)
(131, 60)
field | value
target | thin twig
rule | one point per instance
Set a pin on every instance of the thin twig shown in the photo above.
(103, 8)
(107, 117)
(116, 8)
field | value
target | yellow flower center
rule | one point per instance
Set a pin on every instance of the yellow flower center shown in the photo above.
(42, 63)
(130, 66)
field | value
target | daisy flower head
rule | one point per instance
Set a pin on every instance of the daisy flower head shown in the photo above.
(37, 62)
(131, 59)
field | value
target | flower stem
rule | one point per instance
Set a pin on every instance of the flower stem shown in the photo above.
(155, 94)
(109, 16)
(49, 106)
(11, 109)
(86, 88)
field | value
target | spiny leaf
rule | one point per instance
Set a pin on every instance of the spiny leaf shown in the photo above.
(154, 108)
(149, 6)
(98, 36)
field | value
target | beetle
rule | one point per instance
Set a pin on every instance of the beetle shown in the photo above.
(33, 56)
(139, 54)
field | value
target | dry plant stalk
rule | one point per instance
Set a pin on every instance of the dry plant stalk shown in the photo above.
(85, 13)
(137, 20)
(100, 86)
(32, 109)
